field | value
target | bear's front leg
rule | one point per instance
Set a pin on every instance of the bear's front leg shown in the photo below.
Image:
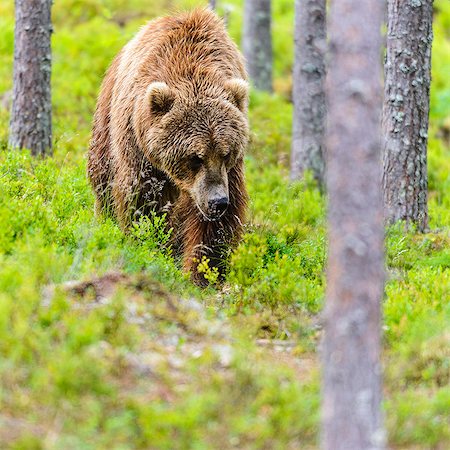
(199, 237)
(202, 239)
(212, 249)
(124, 193)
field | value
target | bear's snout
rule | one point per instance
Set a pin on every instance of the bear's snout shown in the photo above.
(217, 206)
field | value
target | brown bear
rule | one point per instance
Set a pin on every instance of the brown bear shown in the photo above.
(169, 134)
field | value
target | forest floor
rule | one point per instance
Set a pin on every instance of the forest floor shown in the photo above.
(105, 343)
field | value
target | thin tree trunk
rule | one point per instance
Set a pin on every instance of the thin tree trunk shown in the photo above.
(406, 111)
(309, 90)
(352, 418)
(31, 114)
(212, 4)
(257, 42)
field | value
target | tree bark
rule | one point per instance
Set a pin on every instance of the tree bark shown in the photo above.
(212, 4)
(257, 43)
(406, 111)
(31, 114)
(308, 92)
(352, 418)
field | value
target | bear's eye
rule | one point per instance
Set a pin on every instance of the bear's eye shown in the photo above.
(196, 162)
(227, 157)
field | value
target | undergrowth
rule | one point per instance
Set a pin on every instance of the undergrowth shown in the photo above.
(139, 357)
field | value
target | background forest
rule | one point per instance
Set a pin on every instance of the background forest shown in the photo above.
(142, 358)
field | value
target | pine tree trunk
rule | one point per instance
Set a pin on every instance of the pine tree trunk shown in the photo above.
(406, 110)
(31, 115)
(352, 418)
(309, 90)
(257, 42)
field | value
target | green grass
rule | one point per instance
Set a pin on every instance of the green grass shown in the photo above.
(156, 362)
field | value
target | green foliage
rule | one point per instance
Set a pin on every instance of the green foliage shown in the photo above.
(152, 231)
(157, 363)
(416, 417)
(440, 88)
(211, 274)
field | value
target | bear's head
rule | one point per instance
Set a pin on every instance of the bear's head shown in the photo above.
(196, 137)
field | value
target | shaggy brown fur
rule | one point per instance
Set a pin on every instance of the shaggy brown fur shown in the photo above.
(169, 134)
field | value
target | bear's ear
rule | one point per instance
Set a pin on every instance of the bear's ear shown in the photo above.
(238, 90)
(160, 97)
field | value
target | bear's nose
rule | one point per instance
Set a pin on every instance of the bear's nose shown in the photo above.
(218, 205)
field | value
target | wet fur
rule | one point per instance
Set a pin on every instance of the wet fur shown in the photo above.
(193, 54)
